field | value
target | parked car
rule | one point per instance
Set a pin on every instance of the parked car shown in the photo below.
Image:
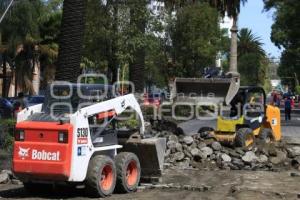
(6, 108)
(20, 103)
(34, 100)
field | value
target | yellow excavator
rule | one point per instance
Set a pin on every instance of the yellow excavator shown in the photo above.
(242, 114)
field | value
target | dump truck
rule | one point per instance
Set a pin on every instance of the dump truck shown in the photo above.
(242, 112)
(73, 138)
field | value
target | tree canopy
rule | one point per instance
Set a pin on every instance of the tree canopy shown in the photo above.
(144, 44)
(252, 60)
(285, 35)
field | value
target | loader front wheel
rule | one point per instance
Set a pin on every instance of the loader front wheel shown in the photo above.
(266, 135)
(101, 176)
(128, 172)
(244, 137)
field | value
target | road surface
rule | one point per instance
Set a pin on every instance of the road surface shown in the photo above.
(196, 184)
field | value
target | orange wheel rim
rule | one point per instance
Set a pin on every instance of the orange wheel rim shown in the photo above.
(106, 180)
(132, 173)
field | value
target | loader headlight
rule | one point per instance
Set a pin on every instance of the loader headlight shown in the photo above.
(62, 137)
(19, 135)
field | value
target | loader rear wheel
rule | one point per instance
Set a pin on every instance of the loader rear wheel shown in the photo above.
(128, 172)
(244, 137)
(101, 176)
(266, 135)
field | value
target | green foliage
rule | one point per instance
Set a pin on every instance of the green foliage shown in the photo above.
(249, 43)
(8, 122)
(49, 29)
(285, 34)
(31, 22)
(297, 89)
(156, 60)
(98, 35)
(7, 134)
(131, 123)
(112, 40)
(229, 7)
(22, 22)
(8, 143)
(248, 67)
(252, 62)
(119, 32)
(196, 39)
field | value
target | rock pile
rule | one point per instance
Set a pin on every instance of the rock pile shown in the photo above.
(6, 176)
(184, 152)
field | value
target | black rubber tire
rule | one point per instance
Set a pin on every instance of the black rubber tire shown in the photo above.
(266, 135)
(94, 175)
(204, 131)
(123, 160)
(241, 137)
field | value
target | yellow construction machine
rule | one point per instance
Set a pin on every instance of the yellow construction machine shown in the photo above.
(242, 114)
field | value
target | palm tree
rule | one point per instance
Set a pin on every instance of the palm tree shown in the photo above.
(249, 43)
(232, 9)
(71, 39)
(251, 58)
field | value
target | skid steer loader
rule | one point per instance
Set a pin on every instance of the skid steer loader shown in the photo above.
(242, 112)
(72, 138)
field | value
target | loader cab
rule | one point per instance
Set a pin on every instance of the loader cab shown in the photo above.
(247, 109)
(254, 108)
(250, 100)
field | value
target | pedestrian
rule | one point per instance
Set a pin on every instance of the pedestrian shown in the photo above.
(275, 97)
(287, 108)
(293, 102)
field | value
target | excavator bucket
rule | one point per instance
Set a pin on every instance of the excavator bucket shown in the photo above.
(215, 90)
(151, 153)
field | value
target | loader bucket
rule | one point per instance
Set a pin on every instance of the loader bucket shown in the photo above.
(215, 90)
(151, 153)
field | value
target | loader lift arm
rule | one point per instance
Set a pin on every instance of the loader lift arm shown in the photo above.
(119, 105)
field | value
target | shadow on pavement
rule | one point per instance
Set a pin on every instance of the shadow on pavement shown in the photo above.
(61, 192)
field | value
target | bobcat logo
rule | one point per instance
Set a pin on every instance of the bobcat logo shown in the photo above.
(23, 153)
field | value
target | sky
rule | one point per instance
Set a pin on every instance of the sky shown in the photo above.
(253, 17)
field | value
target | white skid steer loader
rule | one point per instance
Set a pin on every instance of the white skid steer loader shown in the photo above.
(71, 138)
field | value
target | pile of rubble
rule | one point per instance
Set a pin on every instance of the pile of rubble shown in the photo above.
(6, 176)
(186, 152)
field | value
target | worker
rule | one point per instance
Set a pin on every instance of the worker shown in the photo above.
(287, 108)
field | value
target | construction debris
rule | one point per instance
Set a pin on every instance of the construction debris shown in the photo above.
(186, 152)
(6, 176)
